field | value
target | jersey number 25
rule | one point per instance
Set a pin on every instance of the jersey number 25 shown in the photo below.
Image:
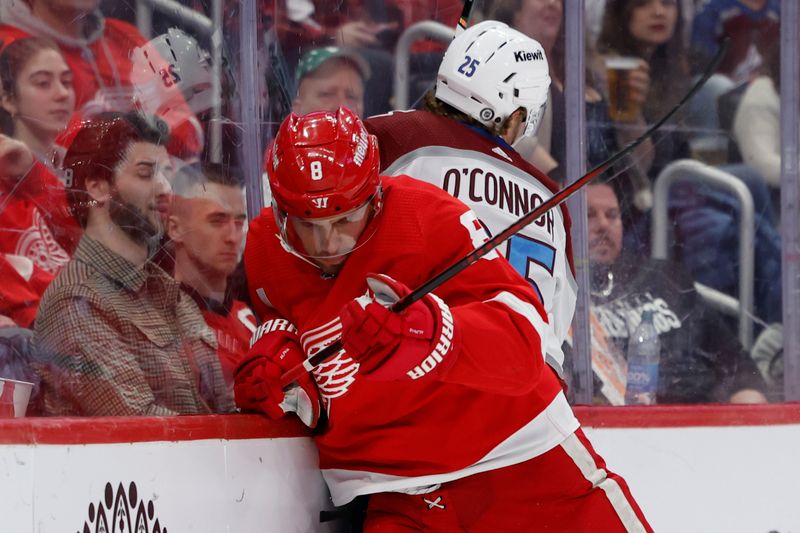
(522, 251)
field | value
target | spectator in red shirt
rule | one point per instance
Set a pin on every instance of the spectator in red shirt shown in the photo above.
(207, 226)
(97, 50)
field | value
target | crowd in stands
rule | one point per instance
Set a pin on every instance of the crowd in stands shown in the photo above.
(122, 233)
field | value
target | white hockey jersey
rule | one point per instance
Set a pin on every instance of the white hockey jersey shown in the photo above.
(500, 187)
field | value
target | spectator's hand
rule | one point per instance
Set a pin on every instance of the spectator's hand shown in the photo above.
(357, 33)
(391, 346)
(257, 386)
(16, 159)
(638, 82)
(6, 322)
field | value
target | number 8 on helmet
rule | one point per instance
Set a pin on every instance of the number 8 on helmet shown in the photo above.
(326, 192)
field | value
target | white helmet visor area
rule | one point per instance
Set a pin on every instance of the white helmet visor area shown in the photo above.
(533, 97)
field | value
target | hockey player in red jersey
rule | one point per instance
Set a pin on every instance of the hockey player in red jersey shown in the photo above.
(446, 414)
(491, 90)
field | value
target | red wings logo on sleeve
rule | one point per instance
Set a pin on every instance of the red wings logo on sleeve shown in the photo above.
(335, 376)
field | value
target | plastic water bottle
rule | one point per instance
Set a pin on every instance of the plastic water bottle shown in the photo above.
(644, 353)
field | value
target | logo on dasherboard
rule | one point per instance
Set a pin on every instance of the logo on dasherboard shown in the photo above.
(122, 511)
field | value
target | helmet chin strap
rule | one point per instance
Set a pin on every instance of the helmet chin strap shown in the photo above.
(522, 130)
(532, 122)
(289, 249)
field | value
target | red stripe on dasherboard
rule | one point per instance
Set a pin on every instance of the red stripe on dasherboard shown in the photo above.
(653, 416)
(99, 430)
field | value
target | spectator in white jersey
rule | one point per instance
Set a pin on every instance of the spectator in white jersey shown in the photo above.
(491, 89)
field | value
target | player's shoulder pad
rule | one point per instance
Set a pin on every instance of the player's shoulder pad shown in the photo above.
(420, 198)
(262, 222)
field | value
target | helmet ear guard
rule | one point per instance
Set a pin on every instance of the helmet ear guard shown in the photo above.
(491, 70)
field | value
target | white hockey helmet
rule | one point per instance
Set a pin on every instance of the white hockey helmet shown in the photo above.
(170, 70)
(490, 70)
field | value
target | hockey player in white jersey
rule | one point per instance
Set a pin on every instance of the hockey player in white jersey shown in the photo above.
(491, 89)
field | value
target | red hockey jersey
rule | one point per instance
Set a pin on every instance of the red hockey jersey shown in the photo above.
(21, 289)
(35, 219)
(500, 186)
(497, 405)
(233, 324)
(37, 236)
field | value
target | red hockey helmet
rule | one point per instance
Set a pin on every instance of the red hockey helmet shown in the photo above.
(322, 166)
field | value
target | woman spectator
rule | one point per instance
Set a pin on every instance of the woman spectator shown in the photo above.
(705, 219)
(651, 31)
(542, 20)
(37, 232)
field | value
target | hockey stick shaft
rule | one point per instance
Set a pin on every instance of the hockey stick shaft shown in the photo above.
(558, 198)
(463, 20)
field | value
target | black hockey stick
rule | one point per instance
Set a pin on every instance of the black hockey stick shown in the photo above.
(402, 304)
(463, 20)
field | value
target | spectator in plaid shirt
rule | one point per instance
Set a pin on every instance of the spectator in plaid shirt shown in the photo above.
(123, 338)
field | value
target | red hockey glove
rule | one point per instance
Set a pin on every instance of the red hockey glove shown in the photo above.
(418, 342)
(257, 386)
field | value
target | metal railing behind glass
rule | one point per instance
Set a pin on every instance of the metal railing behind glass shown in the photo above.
(420, 30)
(724, 303)
(187, 16)
(694, 171)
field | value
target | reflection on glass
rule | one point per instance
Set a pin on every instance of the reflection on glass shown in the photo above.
(114, 336)
(670, 44)
(95, 116)
(207, 227)
(701, 360)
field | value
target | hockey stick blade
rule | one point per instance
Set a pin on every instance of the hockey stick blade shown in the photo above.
(554, 201)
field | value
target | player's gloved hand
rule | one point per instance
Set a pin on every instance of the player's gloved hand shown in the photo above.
(257, 384)
(418, 342)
